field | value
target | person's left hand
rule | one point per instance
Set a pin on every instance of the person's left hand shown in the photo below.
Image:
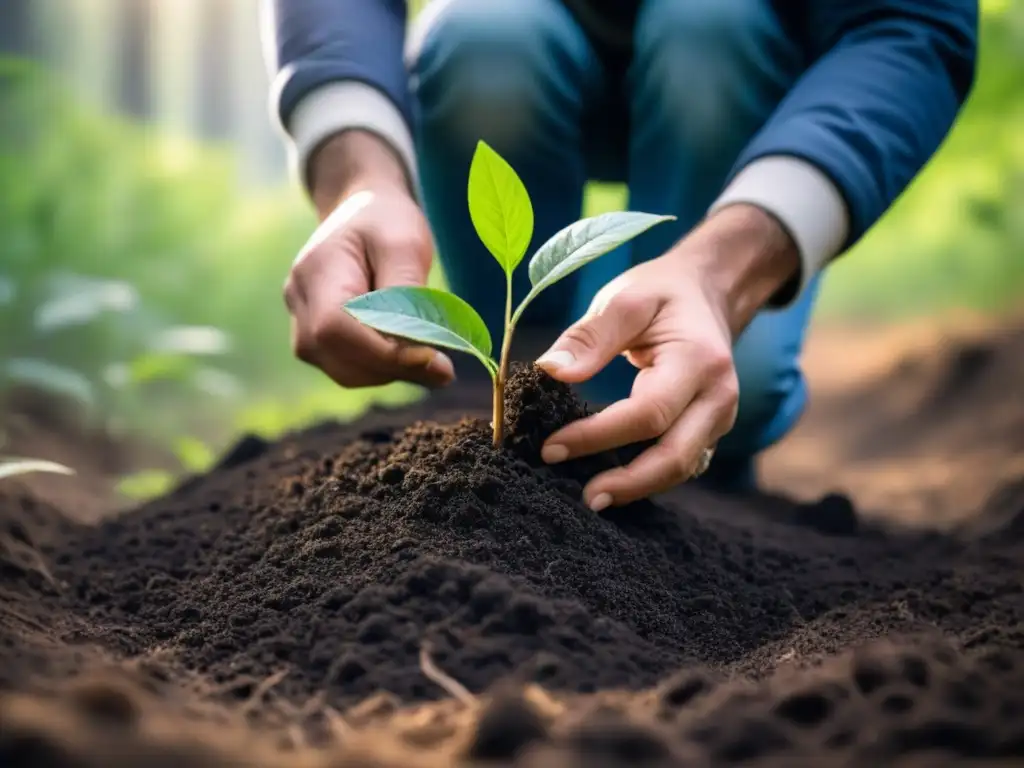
(674, 318)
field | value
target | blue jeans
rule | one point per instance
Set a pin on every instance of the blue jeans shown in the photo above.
(669, 118)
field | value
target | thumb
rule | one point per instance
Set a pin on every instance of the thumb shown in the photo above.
(403, 255)
(402, 269)
(589, 344)
(405, 261)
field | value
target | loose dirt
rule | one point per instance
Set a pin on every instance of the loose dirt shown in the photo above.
(398, 592)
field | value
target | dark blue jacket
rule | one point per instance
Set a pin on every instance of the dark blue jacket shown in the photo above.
(884, 82)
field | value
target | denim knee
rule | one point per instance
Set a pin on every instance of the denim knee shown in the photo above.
(491, 70)
(711, 70)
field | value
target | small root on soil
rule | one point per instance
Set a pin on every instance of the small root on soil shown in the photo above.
(449, 684)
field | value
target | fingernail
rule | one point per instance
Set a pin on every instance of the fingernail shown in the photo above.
(555, 359)
(417, 356)
(601, 502)
(440, 363)
(554, 454)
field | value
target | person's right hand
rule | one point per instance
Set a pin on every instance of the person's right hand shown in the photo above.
(375, 237)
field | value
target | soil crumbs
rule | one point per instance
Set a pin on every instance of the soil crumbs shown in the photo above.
(397, 592)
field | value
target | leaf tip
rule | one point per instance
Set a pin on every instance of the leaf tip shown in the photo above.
(482, 148)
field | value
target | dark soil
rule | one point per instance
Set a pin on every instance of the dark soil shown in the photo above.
(325, 563)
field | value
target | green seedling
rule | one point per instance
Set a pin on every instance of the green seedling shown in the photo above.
(502, 215)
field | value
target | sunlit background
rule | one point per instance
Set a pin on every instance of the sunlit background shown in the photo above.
(147, 221)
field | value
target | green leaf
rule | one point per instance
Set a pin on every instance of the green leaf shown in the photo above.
(500, 207)
(145, 485)
(427, 316)
(13, 467)
(194, 455)
(580, 243)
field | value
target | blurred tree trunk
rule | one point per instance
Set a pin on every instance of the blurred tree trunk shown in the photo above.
(134, 41)
(216, 100)
(18, 30)
(262, 151)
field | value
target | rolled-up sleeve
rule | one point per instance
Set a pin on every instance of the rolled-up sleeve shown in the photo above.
(888, 80)
(337, 65)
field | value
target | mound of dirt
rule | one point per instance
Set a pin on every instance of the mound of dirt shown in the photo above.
(327, 562)
(920, 423)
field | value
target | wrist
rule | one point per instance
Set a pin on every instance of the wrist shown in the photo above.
(743, 256)
(351, 161)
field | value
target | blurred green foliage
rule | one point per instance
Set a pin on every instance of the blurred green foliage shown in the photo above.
(956, 237)
(136, 278)
(138, 281)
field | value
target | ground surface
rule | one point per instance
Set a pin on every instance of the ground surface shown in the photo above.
(313, 589)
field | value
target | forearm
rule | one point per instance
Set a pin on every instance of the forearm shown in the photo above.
(862, 121)
(350, 161)
(744, 257)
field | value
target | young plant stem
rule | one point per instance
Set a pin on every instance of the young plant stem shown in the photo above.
(498, 411)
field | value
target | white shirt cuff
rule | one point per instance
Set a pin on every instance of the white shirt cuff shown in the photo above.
(344, 105)
(804, 200)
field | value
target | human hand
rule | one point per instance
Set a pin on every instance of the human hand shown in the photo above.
(372, 235)
(674, 318)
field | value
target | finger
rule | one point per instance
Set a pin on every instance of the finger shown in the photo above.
(402, 257)
(292, 293)
(671, 461)
(437, 368)
(592, 342)
(435, 373)
(354, 355)
(660, 395)
(347, 351)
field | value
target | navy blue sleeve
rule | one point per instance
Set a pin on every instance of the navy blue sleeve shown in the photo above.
(322, 41)
(888, 80)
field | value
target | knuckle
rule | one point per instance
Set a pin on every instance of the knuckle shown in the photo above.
(676, 465)
(657, 418)
(307, 255)
(681, 466)
(392, 245)
(584, 335)
(729, 391)
(424, 237)
(303, 348)
(631, 309)
(321, 333)
(717, 362)
(293, 291)
(410, 242)
(405, 272)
